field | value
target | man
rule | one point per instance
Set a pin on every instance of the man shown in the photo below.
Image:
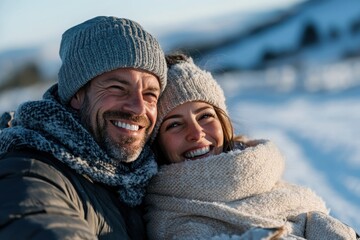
(75, 164)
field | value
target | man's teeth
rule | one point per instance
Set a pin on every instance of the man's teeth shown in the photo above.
(197, 152)
(127, 126)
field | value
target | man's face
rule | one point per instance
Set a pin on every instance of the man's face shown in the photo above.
(119, 108)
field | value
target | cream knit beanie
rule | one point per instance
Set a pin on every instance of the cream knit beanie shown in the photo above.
(103, 44)
(186, 82)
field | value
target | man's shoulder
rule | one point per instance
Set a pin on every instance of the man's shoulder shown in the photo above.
(31, 162)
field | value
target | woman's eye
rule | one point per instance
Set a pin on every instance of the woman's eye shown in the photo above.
(172, 125)
(206, 115)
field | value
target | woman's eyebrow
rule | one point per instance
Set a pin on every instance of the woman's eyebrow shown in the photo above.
(202, 109)
(179, 115)
(172, 116)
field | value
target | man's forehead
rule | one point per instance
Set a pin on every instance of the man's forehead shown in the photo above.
(131, 76)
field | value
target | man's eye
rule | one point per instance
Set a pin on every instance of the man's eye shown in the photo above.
(151, 97)
(118, 88)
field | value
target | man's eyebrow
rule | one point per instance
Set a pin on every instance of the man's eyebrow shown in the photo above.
(154, 89)
(119, 80)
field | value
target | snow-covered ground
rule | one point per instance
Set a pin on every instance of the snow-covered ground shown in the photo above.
(317, 132)
(320, 139)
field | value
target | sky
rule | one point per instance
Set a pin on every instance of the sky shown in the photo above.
(25, 23)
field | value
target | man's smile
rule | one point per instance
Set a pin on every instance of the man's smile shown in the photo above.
(131, 127)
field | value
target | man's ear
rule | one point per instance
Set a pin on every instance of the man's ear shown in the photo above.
(78, 99)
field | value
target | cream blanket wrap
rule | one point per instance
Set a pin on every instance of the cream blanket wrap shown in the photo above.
(230, 194)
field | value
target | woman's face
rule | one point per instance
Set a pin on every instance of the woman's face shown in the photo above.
(191, 131)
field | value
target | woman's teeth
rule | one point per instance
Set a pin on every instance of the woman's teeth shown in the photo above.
(197, 152)
(126, 126)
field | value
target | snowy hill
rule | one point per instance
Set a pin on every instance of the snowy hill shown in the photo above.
(317, 31)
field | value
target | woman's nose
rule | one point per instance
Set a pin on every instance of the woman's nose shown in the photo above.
(195, 132)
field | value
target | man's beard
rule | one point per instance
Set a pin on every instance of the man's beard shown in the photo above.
(118, 150)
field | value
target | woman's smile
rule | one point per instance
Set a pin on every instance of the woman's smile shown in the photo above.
(191, 131)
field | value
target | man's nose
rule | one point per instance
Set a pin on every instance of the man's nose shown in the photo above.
(135, 104)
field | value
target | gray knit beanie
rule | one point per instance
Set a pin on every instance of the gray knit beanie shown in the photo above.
(186, 82)
(103, 44)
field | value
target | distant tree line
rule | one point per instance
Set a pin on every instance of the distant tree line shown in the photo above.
(310, 36)
(27, 75)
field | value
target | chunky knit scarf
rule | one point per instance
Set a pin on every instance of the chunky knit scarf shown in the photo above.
(49, 126)
(230, 193)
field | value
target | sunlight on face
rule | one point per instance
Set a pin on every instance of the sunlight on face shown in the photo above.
(119, 109)
(191, 131)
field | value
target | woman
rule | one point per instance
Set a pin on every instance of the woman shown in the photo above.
(212, 184)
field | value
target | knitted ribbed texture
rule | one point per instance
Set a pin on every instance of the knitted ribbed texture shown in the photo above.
(204, 180)
(103, 44)
(230, 193)
(187, 82)
(51, 127)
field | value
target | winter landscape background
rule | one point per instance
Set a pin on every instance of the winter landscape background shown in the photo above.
(292, 76)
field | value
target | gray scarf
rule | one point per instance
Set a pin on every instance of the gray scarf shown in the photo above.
(49, 126)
